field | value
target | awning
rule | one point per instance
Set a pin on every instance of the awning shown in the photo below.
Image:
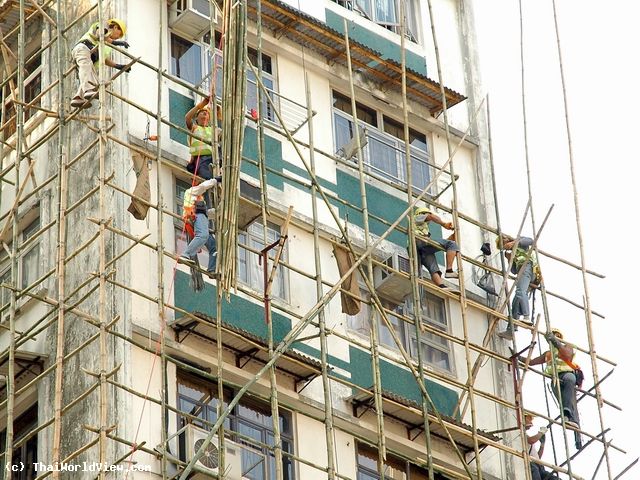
(248, 347)
(305, 30)
(410, 413)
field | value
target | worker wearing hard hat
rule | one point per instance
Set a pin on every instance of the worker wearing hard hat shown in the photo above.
(426, 251)
(86, 56)
(523, 265)
(199, 123)
(569, 376)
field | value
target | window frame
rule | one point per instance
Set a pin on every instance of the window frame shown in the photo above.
(282, 271)
(238, 418)
(406, 330)
(380, 140)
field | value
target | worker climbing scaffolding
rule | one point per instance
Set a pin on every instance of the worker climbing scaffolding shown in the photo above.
(87, 53)
(195, 215)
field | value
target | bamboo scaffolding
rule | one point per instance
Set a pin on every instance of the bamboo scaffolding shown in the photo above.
(104, 280)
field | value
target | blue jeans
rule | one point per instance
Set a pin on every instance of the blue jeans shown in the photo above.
(202, 237)
(568, 395)
(520, 304)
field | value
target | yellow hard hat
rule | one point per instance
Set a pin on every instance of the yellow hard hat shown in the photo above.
(557, 332)
(120, 23)
(421, 211)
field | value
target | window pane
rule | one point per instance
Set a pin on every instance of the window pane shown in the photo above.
(343, 131)
(5, 293)
(360, 323)
(363, 113)
(30, 262)
(186, 60)
(249, 269)
(385, 334)
(382, 156)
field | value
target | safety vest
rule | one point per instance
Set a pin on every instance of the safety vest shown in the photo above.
(191, 205)
(422, 228)
(562, 365)
(93, 37)
(200, 147)
(522, 255)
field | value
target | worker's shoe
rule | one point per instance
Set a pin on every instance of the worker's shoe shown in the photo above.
(186, 260)
(506, 335)
(450, 274)
(213, 274)
(79, 102)
(89, 94)
(572, 425)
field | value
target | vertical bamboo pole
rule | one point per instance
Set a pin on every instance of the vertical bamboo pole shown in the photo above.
(14, 245)
(164, 418)
(373, 318)
(326, 383)
(102, 289)
(585, 283)
(416, 266)
(454, 207)
(62, 244)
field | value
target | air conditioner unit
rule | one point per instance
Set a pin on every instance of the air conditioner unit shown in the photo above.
(390, 284)
(191, 17)
(195, 437)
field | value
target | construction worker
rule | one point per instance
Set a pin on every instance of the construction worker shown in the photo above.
(569, 376)
(524, 263)
(86, 56)
(196, 218)
(538, 472)
(426, 252)
(201, 162)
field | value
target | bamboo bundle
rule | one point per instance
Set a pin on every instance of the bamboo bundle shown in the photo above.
(233, 108)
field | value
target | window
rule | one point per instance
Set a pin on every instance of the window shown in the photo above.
(28, 261)
(435, 349)
(249, 269)
(186, 59)
(32, 88)
(192, 62)
(384, 154)
(394, 467)
(27, 452)
(29, 265)
(386, 13)
(249, 422)
(360, 323)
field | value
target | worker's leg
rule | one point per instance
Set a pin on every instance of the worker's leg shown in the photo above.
(211, 246)
(535, 471)
(86, 74)
(434, 269)
(451, 248)
(520, 304)
(201, 231)
(568, 392)
(204, 167)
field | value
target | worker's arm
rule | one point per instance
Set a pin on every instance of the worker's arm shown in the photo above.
(432, 217)
(188, 118)
(535, 361)
(538, 436)
(203, 187)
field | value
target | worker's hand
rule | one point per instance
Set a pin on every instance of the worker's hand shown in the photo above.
(125, 68)
(218, 179)
(543, 438)
(551, 338)
(522, 359)
(120, 43)
(543, 430)
(448, 226)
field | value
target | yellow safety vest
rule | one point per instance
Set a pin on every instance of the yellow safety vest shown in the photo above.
(93, 38)
(197, 146)
(521, 257)
(561, 365)
(422, 228)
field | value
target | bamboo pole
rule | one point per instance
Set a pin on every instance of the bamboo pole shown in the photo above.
(585, 283)
(374, 323)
